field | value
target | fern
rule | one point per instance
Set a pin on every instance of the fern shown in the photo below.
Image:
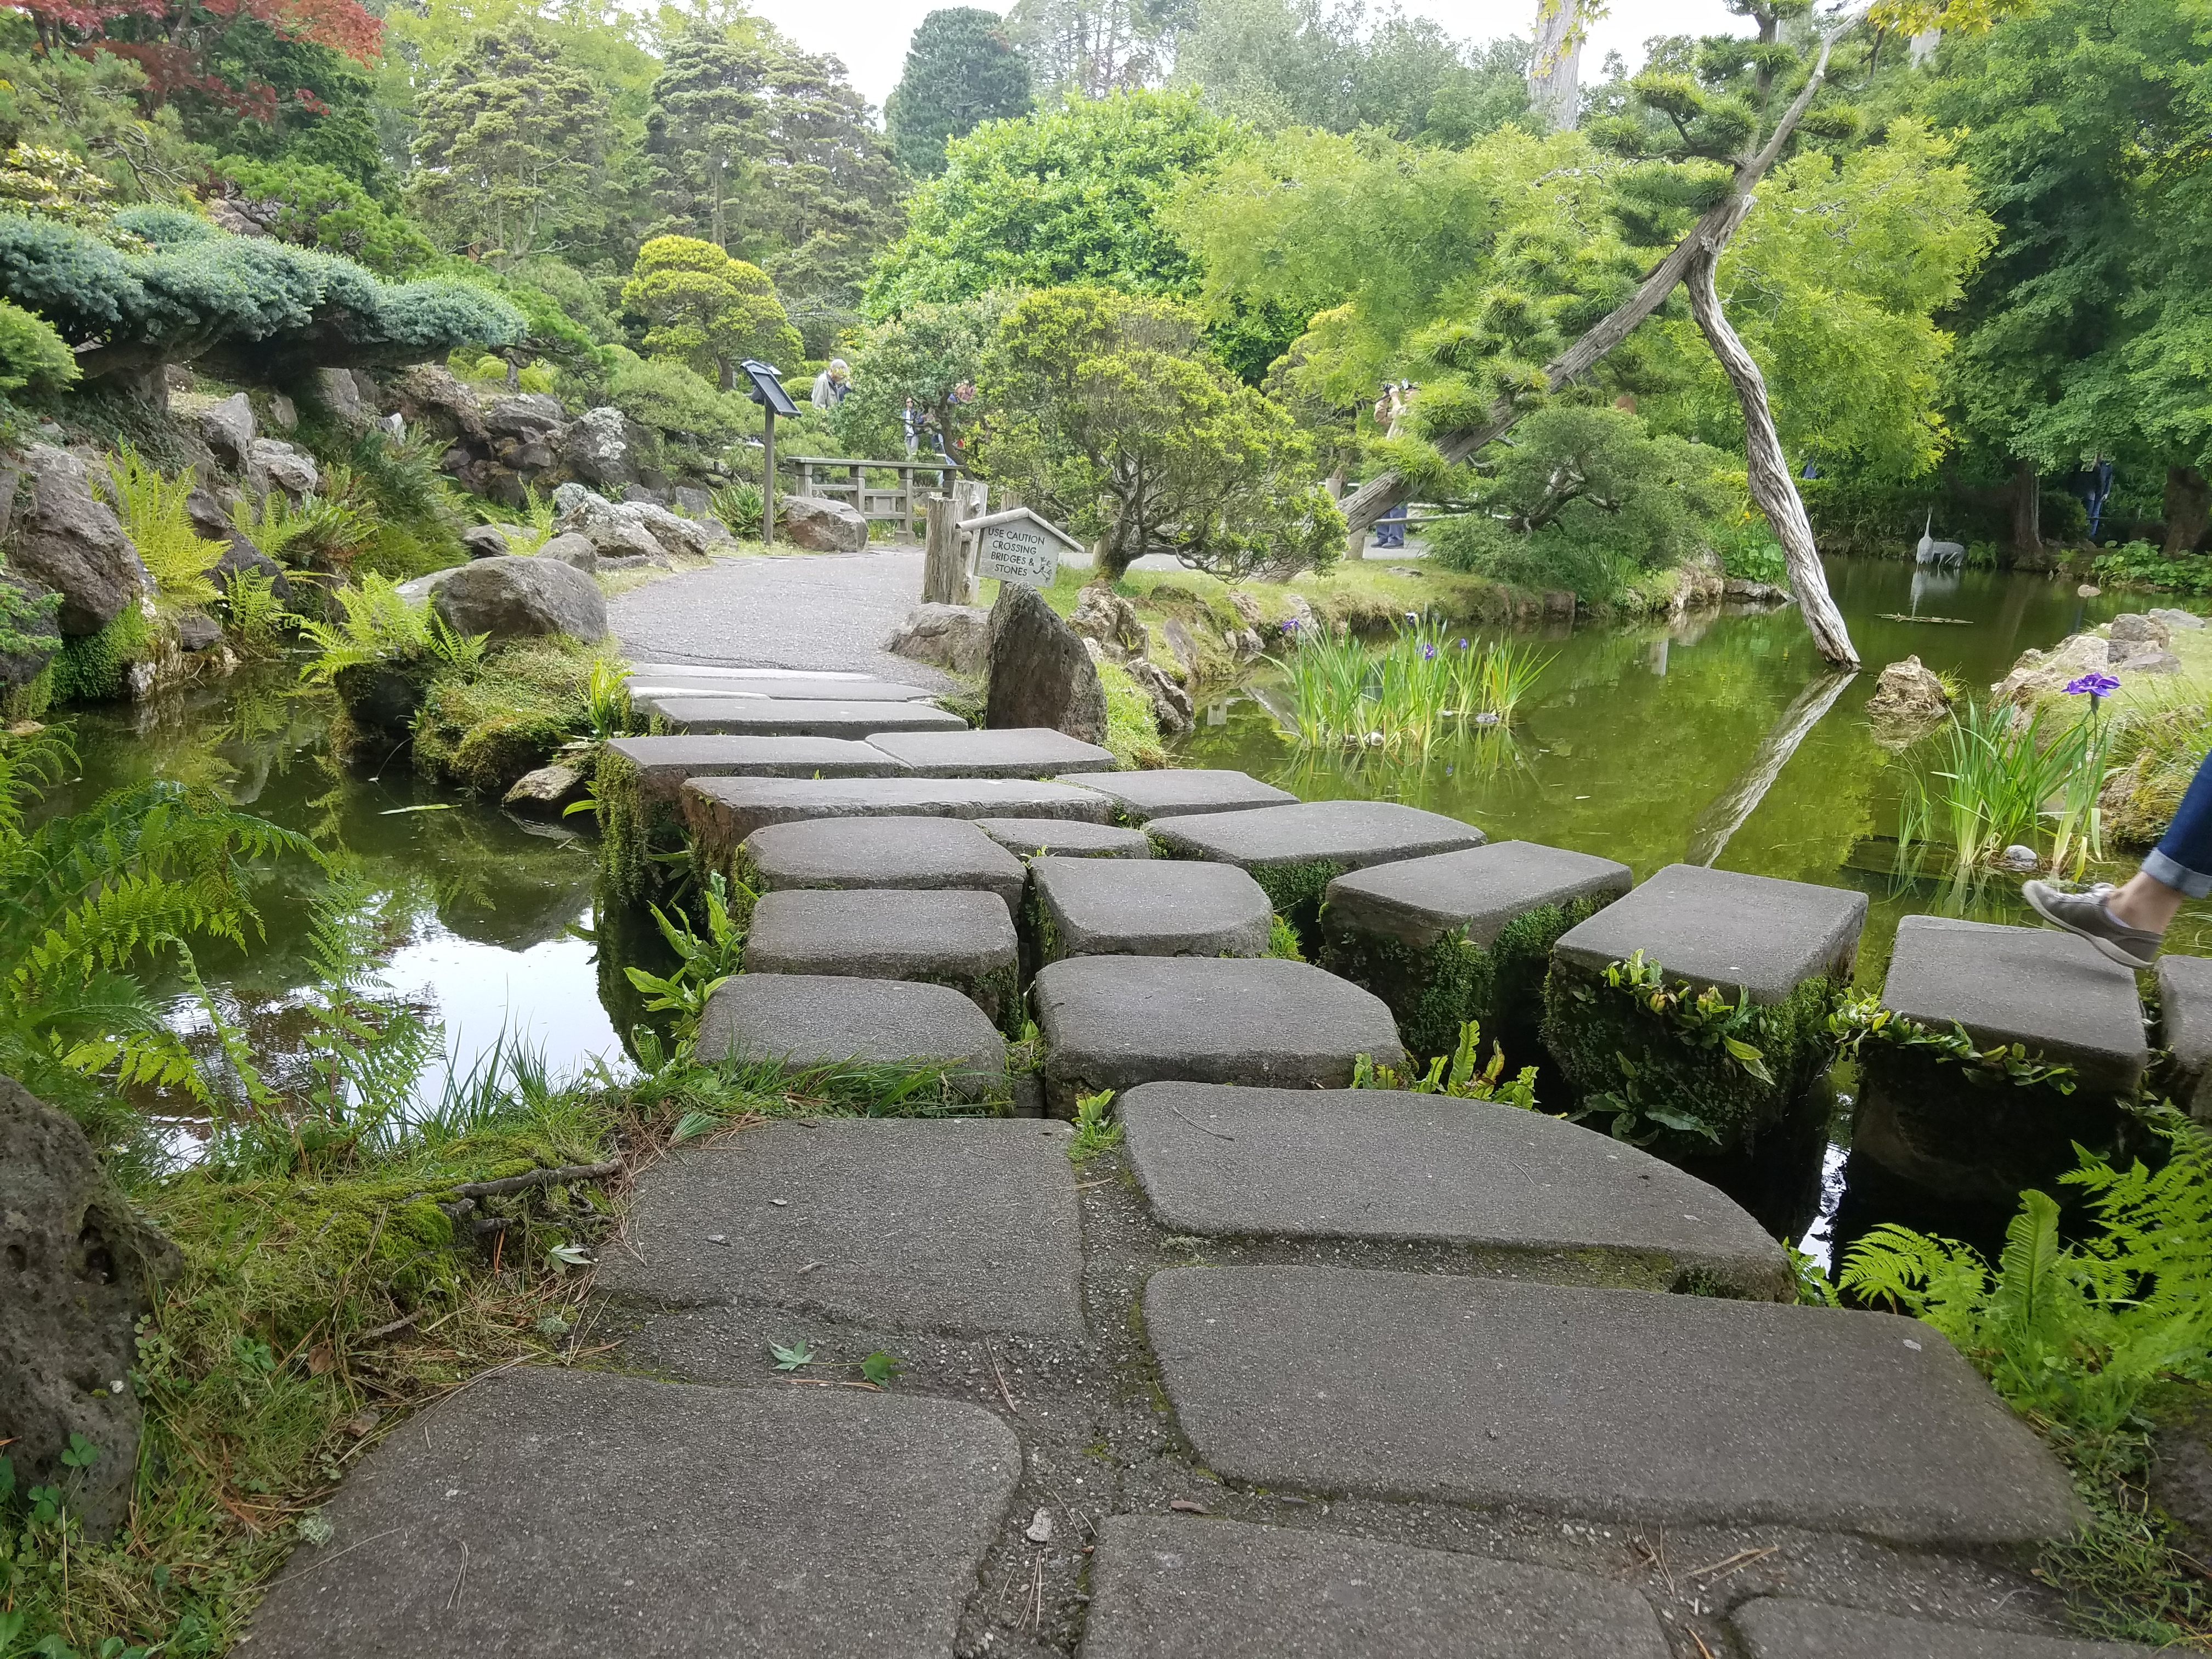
(152, 508)
(379, 625)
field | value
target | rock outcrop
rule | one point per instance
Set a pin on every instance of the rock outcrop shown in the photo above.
(600, 449)
(70, 542)
(627, 529)
(954, 636)
(510, 597)
(1908, 695)
(273, 465)
(820, 525)
(1110, 627)
(227, 428)
(78, 1270)
(1040, 675)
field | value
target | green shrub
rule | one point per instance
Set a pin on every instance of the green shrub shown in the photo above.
(321, 208)
(670, 399)
(31, 354)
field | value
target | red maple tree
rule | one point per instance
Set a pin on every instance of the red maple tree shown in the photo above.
(175, 42)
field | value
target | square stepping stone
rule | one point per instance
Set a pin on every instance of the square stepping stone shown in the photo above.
(775, 717)
(1783, 1627)
(1116, 1022)
(721, 813)
(1516, 1191)
(568, 1515)
(1147, 907)
(1178, 1587)
(1463, 935)
(1034, 838)
(1140, 797)
(674, 682)
(918, 853)
(1026, 752)
(639, 782)
(2184, 998)
(1780, 952)
(1618, 1404)
(940, 1225)
(804, 1020)
(1963, 1131)
(963, 939)
(1294, 851)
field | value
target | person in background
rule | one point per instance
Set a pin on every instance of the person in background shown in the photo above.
(831, 385)
(2128, 923)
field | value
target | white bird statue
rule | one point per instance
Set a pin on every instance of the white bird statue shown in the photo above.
(1931, 551)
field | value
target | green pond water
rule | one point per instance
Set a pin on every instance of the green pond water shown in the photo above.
(1650, 743)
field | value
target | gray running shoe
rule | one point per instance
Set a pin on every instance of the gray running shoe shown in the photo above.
(2085, 915)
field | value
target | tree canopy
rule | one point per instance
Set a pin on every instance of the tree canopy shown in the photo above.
(962, 70)
(709, 312)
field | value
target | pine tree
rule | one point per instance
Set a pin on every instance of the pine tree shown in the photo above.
(961, 71)
(701, 129)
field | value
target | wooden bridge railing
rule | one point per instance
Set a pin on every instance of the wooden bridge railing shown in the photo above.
(901, 504)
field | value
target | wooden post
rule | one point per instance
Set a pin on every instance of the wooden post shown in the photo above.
(767, 482)
(970, 500)
(944, 575)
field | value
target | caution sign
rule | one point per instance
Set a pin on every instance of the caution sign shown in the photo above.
(1018, 546)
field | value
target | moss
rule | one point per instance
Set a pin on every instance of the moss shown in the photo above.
(483, 730)
(30, 700)
(1133, 729)
(1295, 892)
(1631, 1065)
(94, 667)
(630, 828)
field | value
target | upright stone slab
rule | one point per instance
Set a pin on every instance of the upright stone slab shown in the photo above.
(1463, 935)
(638, 781)
(1140, 797)
(1036, 838)
(919, 854)
(1780, 952)
(2184, 997)
(721, 813)
(1035, 752)
(1783, 1627)
(1116, 1022)
(1040, 673)
(1295, 852)
(1149, 908)
(963, 939)
(569, 1514)
(941, 1224)
(804, 1020)
(1515, 1191)
(775, 717)
(1616, 1405)
(1177, 1587)
(1959, 1132)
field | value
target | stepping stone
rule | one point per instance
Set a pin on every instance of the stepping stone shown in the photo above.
(1294, 851)
(2184, 997)
(1922, 1116)
(1612, 1404)
(1116, 1022)
(721, 813)
(916, 853)
(772, 717)
(570, 1514)
(1786, 945)
(1027, 752)
(807, 688)
(1143, 796)
(1031, 838)
(769, 678)
(963, 939)
(1463, 935)
(940, 1225)
(804, 1020)
(1147, 907)
(1781, 1627)
(1515, 1190)
(1176, 1587)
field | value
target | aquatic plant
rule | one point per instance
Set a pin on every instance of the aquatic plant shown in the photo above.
(1996, 777)
(1424, 686)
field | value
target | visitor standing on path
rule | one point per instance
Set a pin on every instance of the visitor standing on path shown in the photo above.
(2127, 923)
(830, 385)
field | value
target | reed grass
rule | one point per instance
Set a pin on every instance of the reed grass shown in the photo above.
(1425, 687)
(2000, 779)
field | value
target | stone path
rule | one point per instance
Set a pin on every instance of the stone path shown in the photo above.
(1294, 1371)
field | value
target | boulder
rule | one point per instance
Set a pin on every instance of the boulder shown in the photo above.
(70, 542)
(243, 555)
(2178, 618)
(510, 597)
(1102, 615)
(1245, 607)
(572, 549)
(692, 500)
(2152, 661)
(485, 541)
(227, 428)
(523, 414)
(1745, 591)
(1908, 694)
(546, 793)
(283, 413)
(1040, 674)
(954, 636)
(820, 525)
(600, 448)
(339, 394)
(78, 1271)
(271, 465)
(2038, 672)
(1171, 704)
(619, 529)
(196, 631)
(429, 393)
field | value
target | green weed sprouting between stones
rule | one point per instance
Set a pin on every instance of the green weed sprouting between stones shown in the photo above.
(1095, 1132)
(606, 700)
(1283, 939)
(2081, 1338)
(1426, 686)
(1859, 1018)
(704, 963)
(1704, 1019)
(1994, 779)
(1456, 1074)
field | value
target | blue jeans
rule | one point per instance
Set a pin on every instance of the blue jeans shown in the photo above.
(2183, 859)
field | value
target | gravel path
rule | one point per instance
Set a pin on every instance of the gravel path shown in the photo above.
(818, 611)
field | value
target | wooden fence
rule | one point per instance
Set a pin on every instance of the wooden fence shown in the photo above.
(900, 504)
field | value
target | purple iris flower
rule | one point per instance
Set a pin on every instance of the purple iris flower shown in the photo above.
(1462, 645)
(1428, 651)
(1290, 624)
(2097, 685)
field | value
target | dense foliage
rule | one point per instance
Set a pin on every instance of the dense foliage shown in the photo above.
(961, 71)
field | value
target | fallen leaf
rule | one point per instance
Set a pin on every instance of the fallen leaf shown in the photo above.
(1185, 1506)
(321, 1359)
(363, 1422)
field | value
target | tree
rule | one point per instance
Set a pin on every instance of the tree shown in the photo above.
(1094, 48)
(93, 108)
(509, 143)
(1103, 412)
(1074, 194)
(928, 354)
(961, 71)
(311, 206)
(702, 127)
(1555, 71)
(708, 311)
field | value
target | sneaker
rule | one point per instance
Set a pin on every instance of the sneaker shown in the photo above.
(2085, 916)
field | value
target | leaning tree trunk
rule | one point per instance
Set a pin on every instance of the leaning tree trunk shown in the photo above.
(1772, 486)
(1555, 72)
(1386, 489)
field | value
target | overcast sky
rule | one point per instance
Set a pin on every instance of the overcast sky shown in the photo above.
(871, 35)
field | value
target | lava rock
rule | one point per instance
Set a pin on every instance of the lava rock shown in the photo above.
(1171, 705)
(429, 393)
(227, 428)
(78, 1271)
(954, 636)
(599, 446)
(1102, 615)
(1040, 673)
(820, 525)
(511, 597)
(69, 541)
(339, 394)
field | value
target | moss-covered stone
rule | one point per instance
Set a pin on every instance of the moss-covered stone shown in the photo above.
(484, 729)
(1676, 1079)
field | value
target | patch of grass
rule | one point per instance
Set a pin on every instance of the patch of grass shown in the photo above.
(1133, 729)
(1364, 595)
(1095, 1132)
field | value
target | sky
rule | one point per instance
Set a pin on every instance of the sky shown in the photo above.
(871, 35)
